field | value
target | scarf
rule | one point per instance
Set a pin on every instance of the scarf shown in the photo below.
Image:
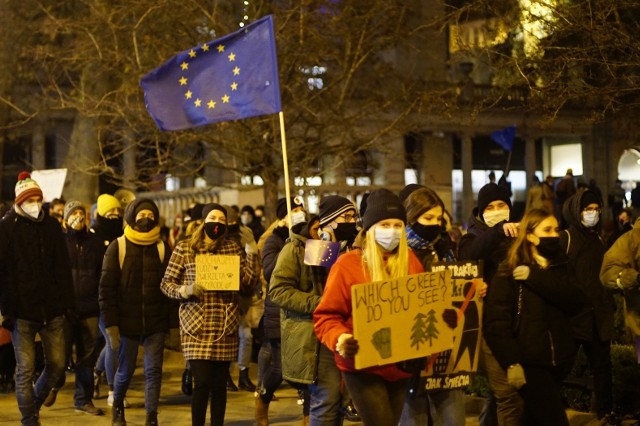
(142, 238)
(415, 241)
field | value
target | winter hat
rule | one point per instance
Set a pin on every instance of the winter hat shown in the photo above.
(232, 215)
(333, 206)
(70, 207)
(407, 190)
(213, 206)
(589, 197)
(281, 209)
(382, 204)
(26, 188)
(249, 209)
(489, 193)
(107, 202)
(363, 203)
(195, 212)
(136, 206)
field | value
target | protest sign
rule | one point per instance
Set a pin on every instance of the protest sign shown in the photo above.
(218, 272)
(455, 368)
(51, 182)
(401, 319)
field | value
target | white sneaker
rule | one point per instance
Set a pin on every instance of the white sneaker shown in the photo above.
(110, 401)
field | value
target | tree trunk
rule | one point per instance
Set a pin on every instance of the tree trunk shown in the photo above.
(81, 161)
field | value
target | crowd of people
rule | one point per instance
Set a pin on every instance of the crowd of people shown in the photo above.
(90, 289)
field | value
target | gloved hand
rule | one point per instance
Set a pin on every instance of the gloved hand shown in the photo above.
(113, 333)
(251, 248)
(347, 346)
(521, 272)
(195, 290)
(450, 317)
(8, 322)
(515, 376)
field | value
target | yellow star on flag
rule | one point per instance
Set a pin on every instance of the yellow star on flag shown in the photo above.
(211, 104)
(234, 86)
(232, 57)
(183, 81)
(220, 48)
(188, 94)
(184, 66)
(225, 99)
(192, 53)
(205, 47)
(198, 102)
(236, 71)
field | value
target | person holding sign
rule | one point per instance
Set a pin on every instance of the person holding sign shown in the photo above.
(207, 272)
(526, 318)
(378, 392)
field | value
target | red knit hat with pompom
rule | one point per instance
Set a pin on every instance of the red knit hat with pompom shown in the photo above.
(26, 188)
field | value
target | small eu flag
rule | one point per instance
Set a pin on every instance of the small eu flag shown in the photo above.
(233, 77)
(505, 137)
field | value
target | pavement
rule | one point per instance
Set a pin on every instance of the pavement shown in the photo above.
(175, 408)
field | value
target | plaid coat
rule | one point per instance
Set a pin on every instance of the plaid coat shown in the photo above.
(208, 327)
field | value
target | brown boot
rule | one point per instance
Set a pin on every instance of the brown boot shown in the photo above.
(262, 412)
(305, 420)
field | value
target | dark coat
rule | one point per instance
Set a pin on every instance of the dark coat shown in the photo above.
(131, 298)
(271, 317)
(35, 275)
(85, 253)
(544, 336)
(586, 251)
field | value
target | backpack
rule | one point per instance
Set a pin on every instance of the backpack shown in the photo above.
(122, 249)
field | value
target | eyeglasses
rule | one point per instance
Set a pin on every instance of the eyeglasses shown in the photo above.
(346, 218)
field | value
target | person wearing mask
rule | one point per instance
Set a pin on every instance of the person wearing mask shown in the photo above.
(488, 238)
(36, 293)
(85, 252)
(272, 374)
(593, 327)
(526, 318)
(297, 288)
(209, 346)
(249, 219)
(135, 310)
(378, 392)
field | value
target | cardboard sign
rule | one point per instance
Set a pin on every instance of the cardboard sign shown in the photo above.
(51, 182)
(455, 368)
(401, 319)
(218, 272)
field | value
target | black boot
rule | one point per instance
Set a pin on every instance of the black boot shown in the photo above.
(117, 415)
(231, 387)
(152, 419)
(187, 382)
(244, 382)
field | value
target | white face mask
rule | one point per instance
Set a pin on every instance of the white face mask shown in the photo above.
(32, 209)
(494, 217)
(245, 219)
(590, 219)
(298, 217)
(388, 238)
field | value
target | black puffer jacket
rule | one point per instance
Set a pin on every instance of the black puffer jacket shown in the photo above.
(271, 317)
(543, 337)
(131, 298)
(586, 251)
(85, 253)
(35, 276)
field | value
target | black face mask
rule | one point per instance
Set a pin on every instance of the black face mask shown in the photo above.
(111, 228)
(427, 232)
(214, 230)
(549, 247)
(145, 224)
(346, 232)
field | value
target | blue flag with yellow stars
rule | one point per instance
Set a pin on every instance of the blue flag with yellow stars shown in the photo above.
(505, 137)
(233, 77)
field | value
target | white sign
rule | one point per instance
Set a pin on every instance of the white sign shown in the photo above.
(51, 181)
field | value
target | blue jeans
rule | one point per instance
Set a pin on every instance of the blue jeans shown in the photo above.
(85, 333)
(30, 398)
(379, 402)
(108, 360)
(153, 354)
(326, 399)
(246, 343)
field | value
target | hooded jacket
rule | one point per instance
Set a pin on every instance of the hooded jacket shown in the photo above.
(585, 250)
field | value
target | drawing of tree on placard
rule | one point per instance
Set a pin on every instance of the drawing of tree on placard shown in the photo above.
(419, 331)
(431, 331)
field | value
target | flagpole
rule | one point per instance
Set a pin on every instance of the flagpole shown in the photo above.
(285, 164)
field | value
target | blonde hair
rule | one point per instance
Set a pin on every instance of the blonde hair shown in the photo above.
(520, 252)
(374, 265)
(540, 197)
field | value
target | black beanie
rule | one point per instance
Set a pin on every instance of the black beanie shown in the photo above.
(382, 204)
(333, 206)
(407, 190)
(281, 208)
(489, 193)
(249, 209)
(363, 203)
(136, 206)
(589, 197)
(195, 212)
(213, 206)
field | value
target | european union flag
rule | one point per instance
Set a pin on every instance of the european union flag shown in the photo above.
(230, 78)
(505, 137)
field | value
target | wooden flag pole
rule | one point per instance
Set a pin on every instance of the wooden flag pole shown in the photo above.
(285, 164)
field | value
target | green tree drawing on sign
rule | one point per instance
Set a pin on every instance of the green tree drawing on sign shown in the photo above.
(431, 331)
(418, 330)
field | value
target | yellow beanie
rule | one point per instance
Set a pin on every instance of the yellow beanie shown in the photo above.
(107, 202)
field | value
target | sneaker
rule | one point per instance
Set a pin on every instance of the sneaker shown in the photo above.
(51, 398)
(300, 397)
(110, 401)
(90, 409)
